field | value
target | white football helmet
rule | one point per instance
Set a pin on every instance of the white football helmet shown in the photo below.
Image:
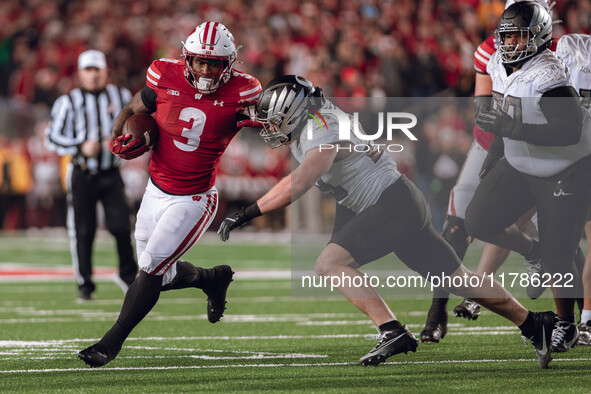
(534, 26)
(283, 105)
(209, 40)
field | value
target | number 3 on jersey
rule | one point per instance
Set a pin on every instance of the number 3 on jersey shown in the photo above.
(193, 135)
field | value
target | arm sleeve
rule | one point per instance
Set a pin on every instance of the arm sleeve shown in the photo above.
(149, 98)
(562, 108)
(497, 147)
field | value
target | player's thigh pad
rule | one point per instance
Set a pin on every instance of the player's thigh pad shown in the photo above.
(468, 180)
(562, 211)
(174, 225)
(499, 200)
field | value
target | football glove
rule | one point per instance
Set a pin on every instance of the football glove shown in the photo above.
(246, 117)
(481, 101)
(128, 151)
(498, 123)
(237, 219)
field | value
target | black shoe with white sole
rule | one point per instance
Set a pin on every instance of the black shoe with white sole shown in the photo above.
(98, 354)
(400, 340)
(564, 337)
(541, 338)
(468, 308)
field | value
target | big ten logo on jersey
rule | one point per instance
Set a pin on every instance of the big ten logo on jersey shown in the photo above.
(173, 92)
(197, 198)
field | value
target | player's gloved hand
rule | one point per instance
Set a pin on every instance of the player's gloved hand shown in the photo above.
(237, 219)
(246, 117)
(498, 123)
(128, 151)
(486, 118)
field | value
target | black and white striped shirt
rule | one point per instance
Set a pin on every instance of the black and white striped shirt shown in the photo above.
(80, 116)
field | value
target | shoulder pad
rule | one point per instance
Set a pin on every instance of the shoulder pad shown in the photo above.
(249, 87)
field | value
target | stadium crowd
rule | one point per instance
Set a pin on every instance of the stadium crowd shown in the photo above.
(358, 48)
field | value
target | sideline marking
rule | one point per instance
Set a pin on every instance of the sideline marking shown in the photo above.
(22, 272)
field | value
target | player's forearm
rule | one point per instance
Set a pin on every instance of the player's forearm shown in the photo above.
(564, 114)
(278, 197)
(135, 105)
(125, 113)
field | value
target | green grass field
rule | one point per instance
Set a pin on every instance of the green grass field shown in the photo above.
(268, 340)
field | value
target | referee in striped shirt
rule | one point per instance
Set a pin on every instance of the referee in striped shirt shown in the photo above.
(80, 126)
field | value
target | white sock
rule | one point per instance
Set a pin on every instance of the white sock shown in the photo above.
(586, 316)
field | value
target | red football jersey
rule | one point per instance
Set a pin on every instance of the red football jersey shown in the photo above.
(481, 59)
(194, 128)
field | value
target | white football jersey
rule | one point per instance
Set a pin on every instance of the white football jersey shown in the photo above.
(357, 181)
(519, 96)
(575, 50)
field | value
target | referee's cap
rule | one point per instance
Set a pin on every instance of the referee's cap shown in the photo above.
(92, 58)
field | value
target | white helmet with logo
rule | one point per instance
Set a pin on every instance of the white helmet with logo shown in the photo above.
(534, 26)
(209, 40)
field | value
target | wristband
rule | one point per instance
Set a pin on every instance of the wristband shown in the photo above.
(252, 211)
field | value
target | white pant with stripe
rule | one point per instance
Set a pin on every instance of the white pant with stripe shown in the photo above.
(168, 226)
(468, 180)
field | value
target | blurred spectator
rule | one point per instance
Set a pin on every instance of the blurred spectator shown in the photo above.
(4, 178)
(17, 182)
(489, 12)
(47, 200)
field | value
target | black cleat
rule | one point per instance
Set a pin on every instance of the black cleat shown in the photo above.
(541, 340)
(584, 333)
(98, 354)
(215, 290)
(436, 325)
(84, 296)
(391, 342)
(564, 337)
(468, 308)
(535, 272)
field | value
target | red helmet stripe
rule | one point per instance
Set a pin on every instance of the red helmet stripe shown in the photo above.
(213, 33)
(205, 33)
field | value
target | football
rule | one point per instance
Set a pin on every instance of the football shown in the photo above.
(143, 126)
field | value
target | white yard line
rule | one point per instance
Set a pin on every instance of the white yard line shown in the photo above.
(62, 342)
(297, 365)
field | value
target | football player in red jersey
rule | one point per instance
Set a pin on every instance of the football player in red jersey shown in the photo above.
(195, 102)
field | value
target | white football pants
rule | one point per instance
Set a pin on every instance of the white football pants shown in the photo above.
(168, 226)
